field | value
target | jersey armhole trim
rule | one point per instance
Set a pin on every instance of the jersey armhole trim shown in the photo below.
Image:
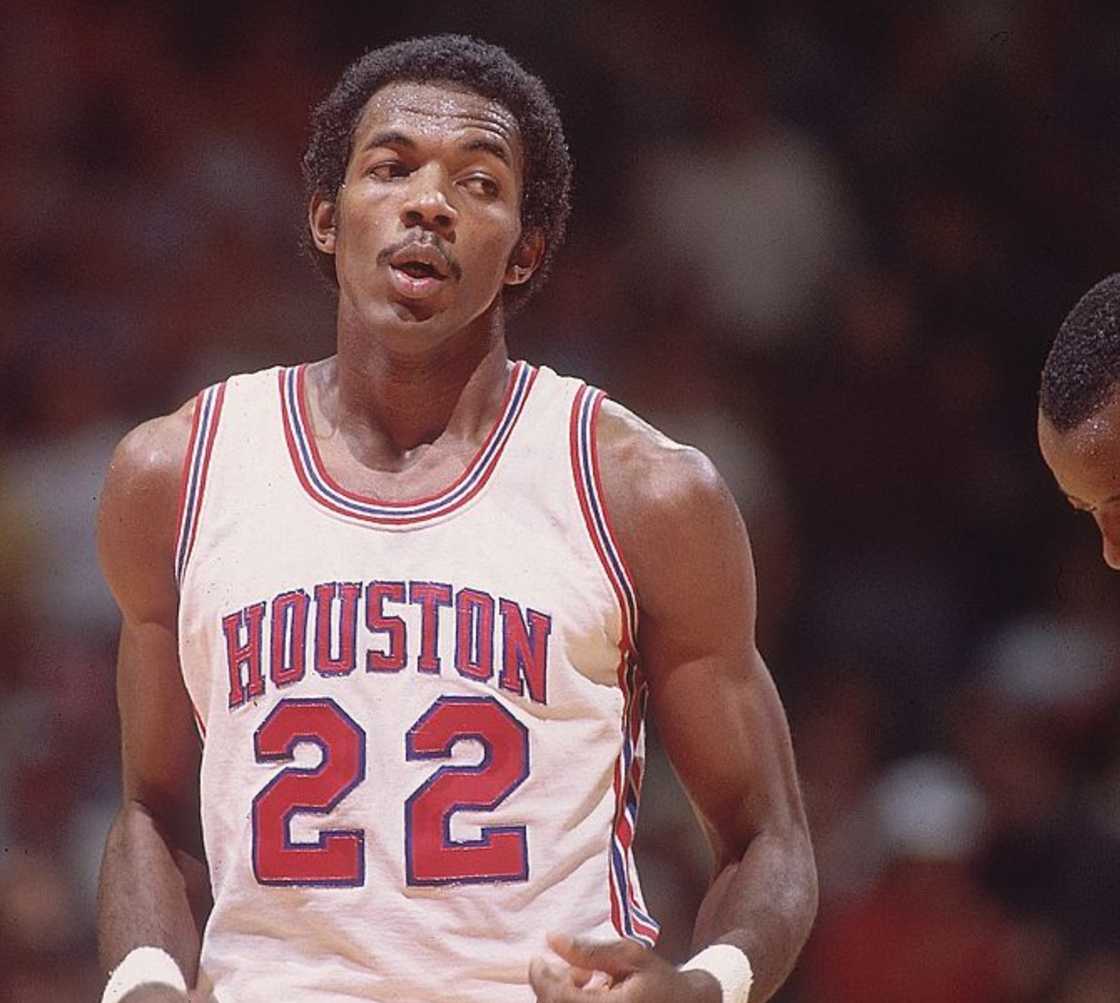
(585, 469)
(196, 465)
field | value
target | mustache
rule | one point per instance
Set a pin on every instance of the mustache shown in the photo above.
(422, 238)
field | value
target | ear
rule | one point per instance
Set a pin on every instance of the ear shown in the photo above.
(322, 221)
(525, 258)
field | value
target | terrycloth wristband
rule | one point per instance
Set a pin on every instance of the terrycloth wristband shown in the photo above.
(143, 966)
(730, 967)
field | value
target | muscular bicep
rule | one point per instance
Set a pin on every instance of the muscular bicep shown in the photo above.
(714, 703)
(160, 749)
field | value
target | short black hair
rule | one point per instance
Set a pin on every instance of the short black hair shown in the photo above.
(476, 66)
(1083, 367)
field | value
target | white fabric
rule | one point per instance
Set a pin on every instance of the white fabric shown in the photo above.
(523, 538)
(143, 966)
(730, 967)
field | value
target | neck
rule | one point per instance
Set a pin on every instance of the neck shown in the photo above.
(388, 402)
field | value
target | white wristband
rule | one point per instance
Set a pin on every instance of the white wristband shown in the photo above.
(143, 966)
(730, 967)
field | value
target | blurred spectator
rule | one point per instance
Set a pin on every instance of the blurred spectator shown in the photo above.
(1026, 729)
(924, 930)
(828, 245)
(749, 217)
(1094, 979)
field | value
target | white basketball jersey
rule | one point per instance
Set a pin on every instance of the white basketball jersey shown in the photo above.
(422, 720)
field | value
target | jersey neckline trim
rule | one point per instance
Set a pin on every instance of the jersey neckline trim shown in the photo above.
(328, 493)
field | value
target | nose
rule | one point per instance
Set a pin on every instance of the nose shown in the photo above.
(426, 204)
(1110, 542)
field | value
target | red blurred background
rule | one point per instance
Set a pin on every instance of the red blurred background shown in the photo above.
(828, 246)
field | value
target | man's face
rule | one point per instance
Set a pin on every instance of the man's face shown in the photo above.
(1085, 462)
(428, 219)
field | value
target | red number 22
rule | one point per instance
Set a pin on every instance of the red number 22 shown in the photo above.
(432, 856)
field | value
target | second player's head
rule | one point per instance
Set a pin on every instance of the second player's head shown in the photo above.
(1079, 411)
(467, 67)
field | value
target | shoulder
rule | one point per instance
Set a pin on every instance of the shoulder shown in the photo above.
(150, 457)
(647, 475)
(668, 503)
(138, 511)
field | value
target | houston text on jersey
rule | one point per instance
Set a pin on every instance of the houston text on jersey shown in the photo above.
(337, 627)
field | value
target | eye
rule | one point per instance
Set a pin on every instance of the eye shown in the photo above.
(482, 184)
(388, 170)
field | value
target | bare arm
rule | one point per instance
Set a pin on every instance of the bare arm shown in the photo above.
(718, 715)
(153, 882)
(717, 711)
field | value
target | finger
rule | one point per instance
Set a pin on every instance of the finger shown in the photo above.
(598, 980)
(585, 978)
(581, 976)
(617, 958)
(542, 974)
(551, 983)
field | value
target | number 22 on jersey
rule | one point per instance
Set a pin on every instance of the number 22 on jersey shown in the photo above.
(431, 855)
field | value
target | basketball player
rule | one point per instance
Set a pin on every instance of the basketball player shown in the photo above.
(391, 619)
(1079, 411)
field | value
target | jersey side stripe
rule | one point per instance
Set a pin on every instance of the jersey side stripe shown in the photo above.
(635, 922)
(645, 927)
(208, 409)
(627, 911)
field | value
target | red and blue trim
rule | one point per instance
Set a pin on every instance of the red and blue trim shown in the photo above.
(628, 912)
(325, 491)
(196, 465)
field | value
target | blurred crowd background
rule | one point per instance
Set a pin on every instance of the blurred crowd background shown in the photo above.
(827, 243)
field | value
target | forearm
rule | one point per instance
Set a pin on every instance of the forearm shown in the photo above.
(151, 893)
(764, 904)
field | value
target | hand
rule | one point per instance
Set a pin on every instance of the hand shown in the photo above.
(636, 975)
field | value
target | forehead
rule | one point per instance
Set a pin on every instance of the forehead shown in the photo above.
(1085, 460)
(436, 111)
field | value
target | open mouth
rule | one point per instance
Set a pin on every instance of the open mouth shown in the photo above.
(420, 261)
(419, 270)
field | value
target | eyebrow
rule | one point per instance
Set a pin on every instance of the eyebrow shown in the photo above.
(390, 137)
(482, 144)
(491, 146)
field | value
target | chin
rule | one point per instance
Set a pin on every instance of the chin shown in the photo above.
(414, 311)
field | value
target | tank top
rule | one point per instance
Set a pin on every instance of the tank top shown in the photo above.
(421, 720)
